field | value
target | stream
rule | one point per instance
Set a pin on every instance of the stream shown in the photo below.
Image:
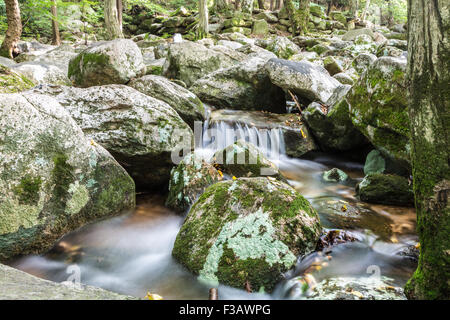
(131, 253)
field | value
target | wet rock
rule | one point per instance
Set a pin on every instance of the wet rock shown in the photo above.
(378, 108)
(334, 237)
(108, 62)
(189, 61)
(296, 143)
(349, 288)
(339, 214)
(376, 162)
(246, 233)
(385, 189)
(18, 285)
(53, 178)
(141, 132)
(244, 86)
(183, 101)
(303, 78)
(189, 180)
(335, 175)
(411, 252)
(243, 159)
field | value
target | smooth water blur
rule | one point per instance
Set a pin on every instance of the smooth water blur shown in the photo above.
(131, 254)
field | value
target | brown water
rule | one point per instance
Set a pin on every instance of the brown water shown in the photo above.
(131, 254)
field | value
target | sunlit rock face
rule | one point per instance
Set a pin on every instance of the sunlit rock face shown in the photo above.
(53, 178)
(246, 232)
(141, 132)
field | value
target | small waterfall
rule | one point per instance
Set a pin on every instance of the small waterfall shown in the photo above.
(220, 134)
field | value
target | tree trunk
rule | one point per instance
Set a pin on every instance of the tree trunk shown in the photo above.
(429, 105)
(271, 5)
(364, 14)
(14, 29)
(237, 4)
(202, 31)
(278, 5)
(261, 4)
(56, 40)
(390, 18)
(353, 8)
(113, 25)
(221, 5)
(247, 6)
(299, 18)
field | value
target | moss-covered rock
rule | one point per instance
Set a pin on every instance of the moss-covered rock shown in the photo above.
(53, 178)
(188, 181)
(248, 230)
(260, 27)
(378, 108)
(243, 159)
(281, 46)
(335, 175)
(109, 62)
(385, 189)
(12, 82)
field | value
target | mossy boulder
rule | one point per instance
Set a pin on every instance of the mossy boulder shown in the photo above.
(376, 162)
(108, 62)
(246, 231)
(281, 46)
(243, 159)
(53, 178)
(378, 108)
(141, 132)
(331, 124)
(189, 61)
(335, 175)
(188, 181)
(260, 27)
(41, 73)
(12, 82)
(183, 101)
(386, 189)
(243, 86)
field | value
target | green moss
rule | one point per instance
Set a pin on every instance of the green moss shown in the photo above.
(28, 190)
(12, 82)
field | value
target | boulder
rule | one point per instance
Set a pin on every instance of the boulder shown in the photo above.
(307, 80)
(243, 159)
(6, 62)
(108, 62)
(335, 175)
(378, 108)
(281, 46)
(41, 73)
(363, 61)
(385, 189)
(189, 180)
(190, 61)
(19, 285)
(246, 232)
(377, 163)
(332, 65)
(293, 132)
(244, 86)
(12, 82)
(260, 27)
(53, 178)
(352, 34)
(344, 78)
(141, 132)
(183, 101)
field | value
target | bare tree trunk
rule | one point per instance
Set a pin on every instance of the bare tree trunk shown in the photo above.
(364, 14)
(202, 31)
(14, 29)
(429, 113)
(278, 5)
(237, 4)
(56, 39)
(271, 5)
(353, 8)
(390, 18)
(119, 6)
(299, 18)
(113, 25)
(221, 5)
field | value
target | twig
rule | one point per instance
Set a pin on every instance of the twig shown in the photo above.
(296, 101)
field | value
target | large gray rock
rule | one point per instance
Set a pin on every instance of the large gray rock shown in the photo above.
(244, 86)
(53, 178)
(108, 62)
(281, 46)
(248, 230)
(378, 108)
(18, 285)
(353, 34)
(189, 61)
(140, 131)
(12, 82)
(186, 103)
(7, 62)
(41, 73)
(59, 56)
(303, 78)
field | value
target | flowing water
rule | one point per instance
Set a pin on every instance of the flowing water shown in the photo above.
(131, 254)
